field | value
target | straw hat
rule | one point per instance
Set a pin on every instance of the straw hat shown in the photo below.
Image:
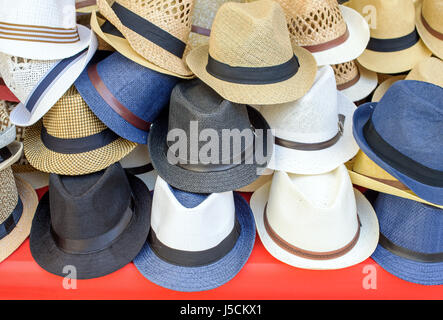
(7, 129)
(151, 33)
(353, 80)
(429, 21)
(334, 34)
(250, 58)
(71, 140)
(395, 45)
(5, 93)
(86, 6)
(384, 86)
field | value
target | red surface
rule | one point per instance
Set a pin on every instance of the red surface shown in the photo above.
(263, 277)
(6, 94)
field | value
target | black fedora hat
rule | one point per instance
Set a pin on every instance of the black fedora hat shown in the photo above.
(97, 223)
(195, 102)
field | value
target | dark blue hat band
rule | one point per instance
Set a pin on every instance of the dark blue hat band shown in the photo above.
(394, 44)
(10, 223)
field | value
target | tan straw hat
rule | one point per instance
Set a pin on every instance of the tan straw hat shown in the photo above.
(151, 33)
(395, 45)
(250, 58)
(71, 140)
(85, 6)
(429, 21)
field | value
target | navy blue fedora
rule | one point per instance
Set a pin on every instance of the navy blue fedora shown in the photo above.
(403, 135)
(124, 95)
(411, 239)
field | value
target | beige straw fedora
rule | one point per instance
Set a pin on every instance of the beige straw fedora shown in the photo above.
(152, 33)
(250, 58)
(429, 21)
(71, 140)
(395, 45)
(85, 6)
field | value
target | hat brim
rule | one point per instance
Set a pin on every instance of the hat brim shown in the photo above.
(433, 43)
(201, 182)
(361, 117)
(191, 279)
(264, 178)
(281, 92)
(363, 87)
(16, 149)
(320, 161)
(51, 258)
(365, 246)
(384, 86)
(23, 118)
(353, 47)
(7, 136)
(49, 161)
(47, 51)
(36, 179)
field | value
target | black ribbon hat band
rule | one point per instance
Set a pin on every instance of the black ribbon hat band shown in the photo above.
(11, 222)
(393, 44)
(5, 154)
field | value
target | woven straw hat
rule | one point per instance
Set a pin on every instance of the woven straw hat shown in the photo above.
(151, 33)
(429, 21)
(251, 57)
(334, 34)
(395, 45)
(86, 6)
(354, 81)
(75, 141)
(7, 129)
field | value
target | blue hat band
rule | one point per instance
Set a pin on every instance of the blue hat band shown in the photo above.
(393, 44)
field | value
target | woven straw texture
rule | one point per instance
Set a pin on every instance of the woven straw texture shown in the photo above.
(345, 72)
(428, 70)
(4, 116)
(71, 118)
(8, 194)
(173, 16)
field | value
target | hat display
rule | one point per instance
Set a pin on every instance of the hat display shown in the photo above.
(313, 134)
(250, 57)
(411, 240)
(395, 44)
(332, 33)
(429, 22)
(5, 93)
(41, 30)
(193, 102)
(129, 105)
(138, 163)
(354, 81)
(197, 242)
(71, 140)
(412, 150)
(153, 34)
(315, 221)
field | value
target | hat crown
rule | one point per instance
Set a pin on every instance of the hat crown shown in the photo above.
(250, 35)
(8, 194)
(416, 108)
(428, 70)
(191, 222)
(410, 224)
(345, 72)
(89, 205)
(313, 22)
(432, 11)
(313, 212)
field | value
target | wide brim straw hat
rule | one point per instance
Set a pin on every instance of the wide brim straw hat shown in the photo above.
(384, 86)
(431, 37)
(86, 6)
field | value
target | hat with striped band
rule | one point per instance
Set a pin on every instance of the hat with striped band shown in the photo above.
(429, 22)
(41, 30)
(71, 140)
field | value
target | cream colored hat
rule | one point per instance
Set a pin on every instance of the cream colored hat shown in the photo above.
(250, 58)
(315, 221)
(429, 21)
(395, 45)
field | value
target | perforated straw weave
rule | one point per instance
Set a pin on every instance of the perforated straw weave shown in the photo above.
(345, 72)
(8, 194)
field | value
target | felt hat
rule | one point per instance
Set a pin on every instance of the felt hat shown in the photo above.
(197, 242)
(5, 93)
(71, 140)
(315, 221)
(138, 163)
(250, 57)
(96, 222)
(429, 22)
(332, 33)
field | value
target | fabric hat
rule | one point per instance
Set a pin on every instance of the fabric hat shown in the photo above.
(41, 30)
(250, 57)
(315, 221)
(429, 22)
(333, 34)
(138, 163)
(412, 150)
(129, 105)
(395, 45)
(71, 140)
(313, 134)
(63, 232)
(5, 93)
(7, 129)
(153, 34)
(197, 242)
(354, 81)
(86, 6)
(193, 101)
(411, 240)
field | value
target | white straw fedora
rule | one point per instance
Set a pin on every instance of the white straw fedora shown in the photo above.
(41, 30)
(313, 134)
(138, 163)
(315, 222)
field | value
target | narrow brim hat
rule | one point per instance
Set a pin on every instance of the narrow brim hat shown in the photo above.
(384, 86)
(93, 265)
(15, 149)
(432, 42)
(364, 86)
(365, 246)
(191, 279)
